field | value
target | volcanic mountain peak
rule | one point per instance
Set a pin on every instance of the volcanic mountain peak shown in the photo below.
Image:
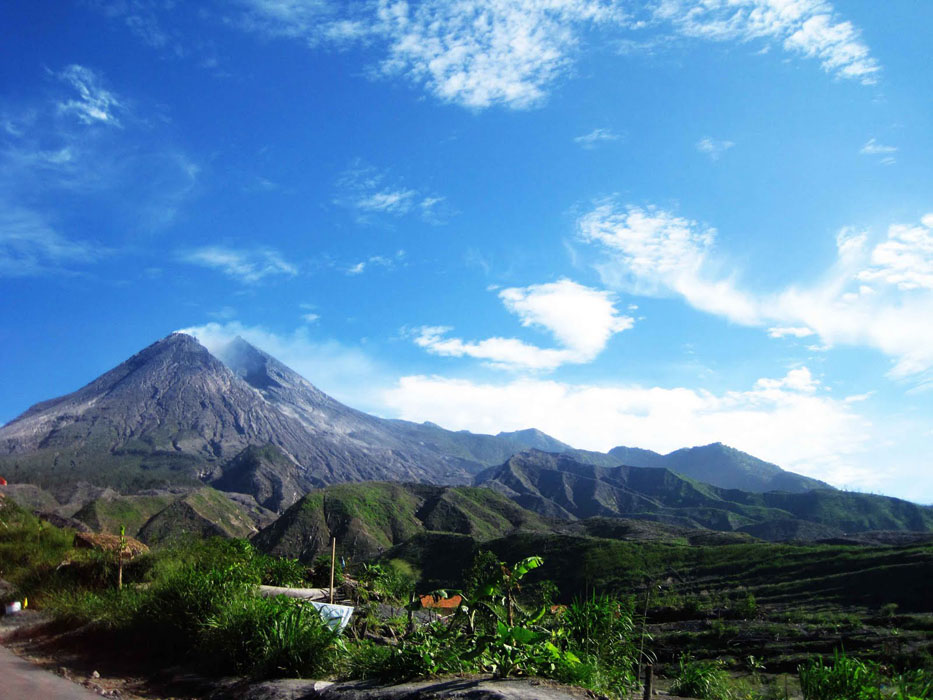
(175, 413)
(164, 368)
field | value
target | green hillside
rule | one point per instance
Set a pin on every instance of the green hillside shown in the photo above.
(369, 518)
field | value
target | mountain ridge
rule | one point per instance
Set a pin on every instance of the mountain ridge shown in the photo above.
(556, 485)
(178, 415)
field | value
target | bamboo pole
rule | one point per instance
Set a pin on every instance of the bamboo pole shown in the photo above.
(333, 562)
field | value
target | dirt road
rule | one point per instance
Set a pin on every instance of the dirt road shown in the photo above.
(21, 680)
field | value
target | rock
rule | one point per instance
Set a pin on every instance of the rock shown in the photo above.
(95, 674)
(466, 688)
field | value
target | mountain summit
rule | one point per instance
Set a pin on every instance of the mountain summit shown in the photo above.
(175, 414)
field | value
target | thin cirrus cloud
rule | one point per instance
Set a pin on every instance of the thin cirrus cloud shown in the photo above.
(30, 246)
(482, 53)
(80, 138)
(873, 147)
(248, 266)
(714, 148)
(595, 138)
(370, 192)
(376, 261)
(581, 320)
(93, 104)
(873, 295)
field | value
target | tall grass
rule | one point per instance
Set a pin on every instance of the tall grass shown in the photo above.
(849, 678)
(705, 680)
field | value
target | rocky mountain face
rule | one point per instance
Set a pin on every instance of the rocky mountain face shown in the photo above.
(175, 415)
(558, 486)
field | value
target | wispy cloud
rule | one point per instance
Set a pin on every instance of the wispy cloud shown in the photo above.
(595, 138)
(581, 320)
(370, 191)
(81, 139)
(385, 262)
(93, 104)
(248, 266)
(874, 295)
(714, 148)
(30, 246)
(873, 148)
(343, 371)
(789, 331)
(486, 53)
(810, 28)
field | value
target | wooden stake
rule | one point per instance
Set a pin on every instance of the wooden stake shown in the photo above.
(649, 681)
(333, 563)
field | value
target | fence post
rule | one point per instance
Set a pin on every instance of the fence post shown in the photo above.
(649, 681)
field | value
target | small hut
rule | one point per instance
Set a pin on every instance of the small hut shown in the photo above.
(110, 543)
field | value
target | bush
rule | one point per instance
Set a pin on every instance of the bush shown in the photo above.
(267, 637)
(279, 571)
(705, 680)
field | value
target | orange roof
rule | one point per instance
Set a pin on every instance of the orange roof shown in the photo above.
(452, 603)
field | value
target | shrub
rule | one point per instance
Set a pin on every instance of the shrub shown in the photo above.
(279, 571)
(701, 679)
(845, 678)
(270, 637)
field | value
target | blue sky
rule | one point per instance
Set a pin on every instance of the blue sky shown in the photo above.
(651, 224)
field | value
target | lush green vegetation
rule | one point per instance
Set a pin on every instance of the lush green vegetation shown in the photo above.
(624, 603)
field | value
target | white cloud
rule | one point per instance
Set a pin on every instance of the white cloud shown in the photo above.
(248, 266)
(392, 201)
(714, 148)
(30, 246)
(806, 27)
(94, 103)
(873, 148)
(873, 296)
(581, 320)
(368, 191)
(480, 53)
(387, 263)
(485, 53)
(794, 331)
(310, 317)
(904, 259)
(595, 137)
(653, 252)
(787, 421)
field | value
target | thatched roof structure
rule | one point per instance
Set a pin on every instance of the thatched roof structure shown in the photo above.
(109, 543)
